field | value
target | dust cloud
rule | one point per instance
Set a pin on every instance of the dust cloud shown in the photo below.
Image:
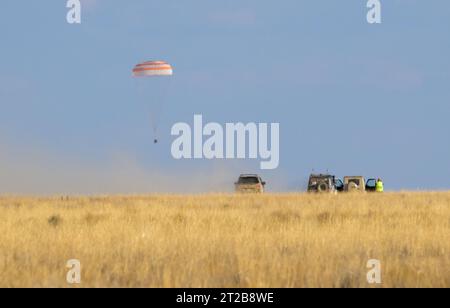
(35, 172)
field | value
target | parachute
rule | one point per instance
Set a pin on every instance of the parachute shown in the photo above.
(153, 69)
(153, 80)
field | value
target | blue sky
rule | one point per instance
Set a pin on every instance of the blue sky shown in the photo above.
(350, 97)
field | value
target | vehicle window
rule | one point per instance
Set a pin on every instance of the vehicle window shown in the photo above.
(248, 180)
(371, 183)
(323, 179)
(339, 184)
(355, 181)
(313, 181)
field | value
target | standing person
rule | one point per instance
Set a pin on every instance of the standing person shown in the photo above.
(379, 186)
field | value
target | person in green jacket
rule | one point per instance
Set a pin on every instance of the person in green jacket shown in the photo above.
(379, 186)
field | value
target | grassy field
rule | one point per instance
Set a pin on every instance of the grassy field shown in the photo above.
(227, 240)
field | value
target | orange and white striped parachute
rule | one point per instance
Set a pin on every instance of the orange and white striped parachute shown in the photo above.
(152, 68)
(153, 90)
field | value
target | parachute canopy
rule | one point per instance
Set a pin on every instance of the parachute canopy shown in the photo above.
(152, 68)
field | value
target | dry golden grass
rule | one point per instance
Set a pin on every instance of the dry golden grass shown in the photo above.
(227, 240)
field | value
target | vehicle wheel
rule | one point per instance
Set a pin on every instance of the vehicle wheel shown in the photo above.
(323, 187)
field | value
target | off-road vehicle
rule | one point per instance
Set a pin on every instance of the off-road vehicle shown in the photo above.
(324, 183)
(250, 183)
(358, 184)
